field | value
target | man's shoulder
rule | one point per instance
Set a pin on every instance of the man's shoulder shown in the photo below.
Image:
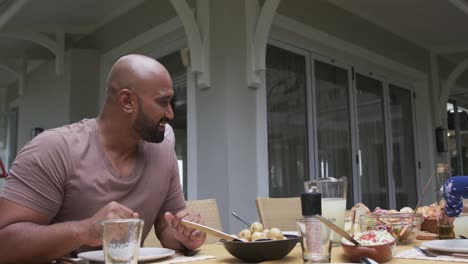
(83, 126)
(65, 135)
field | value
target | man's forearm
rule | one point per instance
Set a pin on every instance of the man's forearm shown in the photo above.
(33, 243)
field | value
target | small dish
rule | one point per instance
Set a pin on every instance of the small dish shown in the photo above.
(145, 254)
(380, 253)
(449, 245)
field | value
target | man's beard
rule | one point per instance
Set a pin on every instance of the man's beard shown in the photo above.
(145, 128)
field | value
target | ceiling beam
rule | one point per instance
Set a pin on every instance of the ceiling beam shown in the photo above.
(56, 46)
(32, 52)
(118, 12)
(460, 4)
(14, 8)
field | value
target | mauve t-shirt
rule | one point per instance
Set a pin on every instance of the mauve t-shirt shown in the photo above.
(64, 173)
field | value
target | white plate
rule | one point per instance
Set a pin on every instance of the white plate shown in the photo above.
(449, 245)
(146, 253)
(293, 233)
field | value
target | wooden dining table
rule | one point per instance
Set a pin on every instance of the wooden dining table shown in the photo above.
(295, 256)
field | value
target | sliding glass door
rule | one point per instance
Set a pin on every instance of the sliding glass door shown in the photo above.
(287, 122)
(334, 155)
(345, 123)
(372, 150)
(403, 149)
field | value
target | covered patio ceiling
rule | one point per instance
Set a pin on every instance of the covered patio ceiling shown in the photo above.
(439, 26)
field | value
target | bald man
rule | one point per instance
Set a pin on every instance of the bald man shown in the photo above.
(68, 179)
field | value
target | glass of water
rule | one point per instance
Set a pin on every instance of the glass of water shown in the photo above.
(121, 240)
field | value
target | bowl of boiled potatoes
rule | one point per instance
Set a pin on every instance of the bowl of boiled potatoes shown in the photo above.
(259, 244)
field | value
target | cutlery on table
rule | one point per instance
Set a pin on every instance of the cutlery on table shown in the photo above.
(240, 219)
(366, 260)
(424, 252)
(67, 260)
(462, 237)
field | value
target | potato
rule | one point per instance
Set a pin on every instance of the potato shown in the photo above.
(275, 234)
(245, 233)
(256, 227)
(257, 236)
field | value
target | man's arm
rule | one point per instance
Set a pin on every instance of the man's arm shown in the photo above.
(173, 234)
(27, 238)
(165, 235)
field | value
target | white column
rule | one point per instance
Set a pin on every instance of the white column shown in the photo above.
(226, 123)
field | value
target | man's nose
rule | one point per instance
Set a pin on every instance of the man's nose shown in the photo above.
(169, 114)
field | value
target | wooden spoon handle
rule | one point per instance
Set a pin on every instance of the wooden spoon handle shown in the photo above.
(337, 229)
(209, 230)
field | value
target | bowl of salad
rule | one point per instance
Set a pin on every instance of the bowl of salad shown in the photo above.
(402, 226)
(375, 244)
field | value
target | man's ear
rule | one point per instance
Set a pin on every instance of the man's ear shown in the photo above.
(127, 100)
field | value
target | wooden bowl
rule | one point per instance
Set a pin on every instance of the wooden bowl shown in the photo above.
(380, 253)
(259, 251)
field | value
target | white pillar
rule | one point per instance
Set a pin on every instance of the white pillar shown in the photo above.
(226, 136)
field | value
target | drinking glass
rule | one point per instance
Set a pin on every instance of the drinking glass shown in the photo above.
(333, 199)
(121, 240)
(444, 222)
(316, 240)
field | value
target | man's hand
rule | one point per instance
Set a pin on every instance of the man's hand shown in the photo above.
(190, 238)
(91, 228)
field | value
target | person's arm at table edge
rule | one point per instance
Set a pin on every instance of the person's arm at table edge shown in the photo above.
(27, 238)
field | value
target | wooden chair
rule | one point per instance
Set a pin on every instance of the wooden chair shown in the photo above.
(209, 212)
(281, 213)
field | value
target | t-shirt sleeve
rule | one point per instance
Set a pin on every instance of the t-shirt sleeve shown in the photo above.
(175, 197)
(38, 175)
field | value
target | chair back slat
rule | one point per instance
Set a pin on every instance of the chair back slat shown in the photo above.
(281, 213)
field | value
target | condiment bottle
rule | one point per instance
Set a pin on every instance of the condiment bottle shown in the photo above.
(311, 227)
(444, 222)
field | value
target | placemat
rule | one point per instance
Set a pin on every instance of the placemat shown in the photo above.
(441, 256)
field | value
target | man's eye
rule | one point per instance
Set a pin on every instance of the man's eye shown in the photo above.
(164, 103)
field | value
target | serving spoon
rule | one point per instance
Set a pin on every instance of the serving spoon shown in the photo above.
(240, 219)
(337, 229)
(216, 232)
(405, 228)
(210, 231)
